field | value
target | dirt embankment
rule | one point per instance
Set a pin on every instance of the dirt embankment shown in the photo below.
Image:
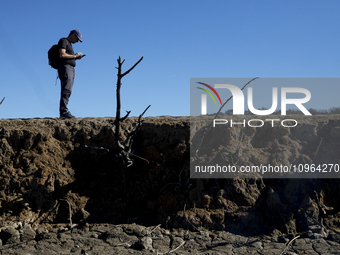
(50, 167)
(46, 162)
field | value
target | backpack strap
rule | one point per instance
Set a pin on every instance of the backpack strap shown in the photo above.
(56, 79)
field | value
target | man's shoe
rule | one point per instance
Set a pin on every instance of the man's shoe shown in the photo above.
(66, 115)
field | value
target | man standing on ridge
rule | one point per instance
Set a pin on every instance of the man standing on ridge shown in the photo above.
(66, 69)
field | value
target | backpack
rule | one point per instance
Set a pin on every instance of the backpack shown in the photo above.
(53, 56)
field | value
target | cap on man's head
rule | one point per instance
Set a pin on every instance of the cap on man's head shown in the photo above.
(77, 33)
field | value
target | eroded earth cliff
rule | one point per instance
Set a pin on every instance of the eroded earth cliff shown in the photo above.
(52, 169)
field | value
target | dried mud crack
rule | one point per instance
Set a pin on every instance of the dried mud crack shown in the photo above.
(123, 239)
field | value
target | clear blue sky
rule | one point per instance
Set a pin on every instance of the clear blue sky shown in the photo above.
(178, 39)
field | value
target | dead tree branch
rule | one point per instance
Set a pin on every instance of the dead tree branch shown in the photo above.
(232, 96)
(123, 137)
(125, 146)
(119, 84)
(2, 100)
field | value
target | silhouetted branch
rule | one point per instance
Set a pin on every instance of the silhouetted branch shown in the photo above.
(232, 96)
(132, 67)
(125, 147)
(119, 84)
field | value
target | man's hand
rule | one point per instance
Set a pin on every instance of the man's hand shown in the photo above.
(63, 54)
(79, 55)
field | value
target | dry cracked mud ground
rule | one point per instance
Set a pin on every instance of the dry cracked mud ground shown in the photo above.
(59, 195)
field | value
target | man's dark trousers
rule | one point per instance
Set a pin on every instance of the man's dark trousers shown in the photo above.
(66, 75)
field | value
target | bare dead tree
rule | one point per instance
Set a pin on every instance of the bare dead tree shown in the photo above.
(123, 143)
(125, 146)
(119, 84)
